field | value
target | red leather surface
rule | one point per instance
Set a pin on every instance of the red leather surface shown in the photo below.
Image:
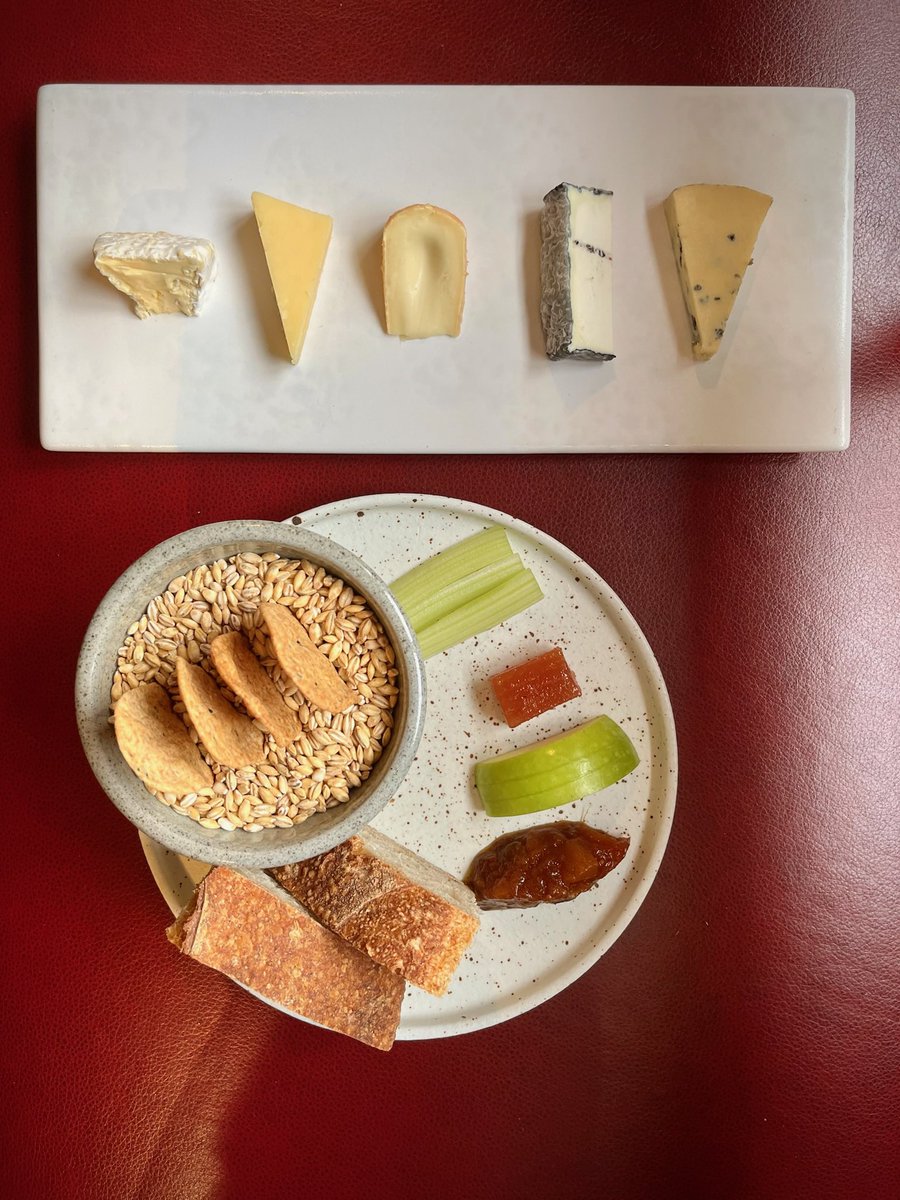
(741, 1039)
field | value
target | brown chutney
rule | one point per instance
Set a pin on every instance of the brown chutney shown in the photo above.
(547, 864)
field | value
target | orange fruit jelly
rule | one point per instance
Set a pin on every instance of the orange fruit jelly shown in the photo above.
(534, 687)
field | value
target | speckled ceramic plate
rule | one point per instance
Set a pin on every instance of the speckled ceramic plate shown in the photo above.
(520, 958)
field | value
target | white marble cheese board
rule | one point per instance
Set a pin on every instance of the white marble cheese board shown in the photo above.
(185, 159)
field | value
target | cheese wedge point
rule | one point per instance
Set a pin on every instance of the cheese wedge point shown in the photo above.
(713, 228)
(295, 241)
(423, 265)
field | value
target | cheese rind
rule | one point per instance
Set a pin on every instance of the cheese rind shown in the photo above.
(713, 228)
(423, 267)
(576, 273)
(295, 241)
(160, 272)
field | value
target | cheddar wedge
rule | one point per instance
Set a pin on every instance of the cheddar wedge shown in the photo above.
(295, 242)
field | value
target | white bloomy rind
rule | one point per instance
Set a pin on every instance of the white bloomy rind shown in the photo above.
(576, 272)
(160, 272)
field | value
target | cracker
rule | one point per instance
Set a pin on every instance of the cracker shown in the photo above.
(301, 659)
(156, 744)
(230, 737)
(241, 670)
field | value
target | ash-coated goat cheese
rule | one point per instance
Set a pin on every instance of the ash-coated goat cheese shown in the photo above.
(576, 272)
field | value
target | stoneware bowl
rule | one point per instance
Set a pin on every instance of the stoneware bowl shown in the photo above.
(124, 604)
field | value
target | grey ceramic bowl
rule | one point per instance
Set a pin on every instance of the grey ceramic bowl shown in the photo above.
(126, 601)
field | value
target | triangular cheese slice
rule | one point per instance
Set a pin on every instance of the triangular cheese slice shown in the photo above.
(295, 241)
(713, 229)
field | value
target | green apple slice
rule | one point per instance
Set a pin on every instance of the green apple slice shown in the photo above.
(557, 771)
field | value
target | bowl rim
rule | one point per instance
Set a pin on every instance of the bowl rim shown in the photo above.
(93, 679)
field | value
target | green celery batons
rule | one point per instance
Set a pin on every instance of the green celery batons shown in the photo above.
(471, 586)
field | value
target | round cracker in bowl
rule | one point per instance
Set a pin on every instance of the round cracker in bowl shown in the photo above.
(301, 798)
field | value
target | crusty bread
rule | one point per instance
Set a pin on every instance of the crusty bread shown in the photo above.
(243, 924)
(405, 913)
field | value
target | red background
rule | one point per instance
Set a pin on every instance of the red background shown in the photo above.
(741, 1039)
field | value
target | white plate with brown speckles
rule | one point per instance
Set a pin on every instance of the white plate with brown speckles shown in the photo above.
(520, 957)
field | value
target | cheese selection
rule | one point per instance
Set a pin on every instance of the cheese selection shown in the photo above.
(713, 228)
(423, 265)
(295, 241)
(160, 272)
(576, 272)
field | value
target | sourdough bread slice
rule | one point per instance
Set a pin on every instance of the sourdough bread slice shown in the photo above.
(242, 924)
(404, 912)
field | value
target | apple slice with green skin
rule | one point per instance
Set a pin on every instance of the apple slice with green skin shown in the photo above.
(557, 771)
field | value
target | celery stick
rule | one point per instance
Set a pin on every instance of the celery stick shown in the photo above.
(421, 582)
(482, 612)
(454, 595)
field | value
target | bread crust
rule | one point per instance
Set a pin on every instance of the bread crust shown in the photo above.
(377, 907)
(241, 924)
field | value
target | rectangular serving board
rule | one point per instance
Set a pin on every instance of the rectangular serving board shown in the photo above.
(186, 158)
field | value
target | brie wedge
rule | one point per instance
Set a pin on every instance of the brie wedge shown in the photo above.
(713, 228)
(160, 272)
(576, 273)
(295, 242)
(423, 267)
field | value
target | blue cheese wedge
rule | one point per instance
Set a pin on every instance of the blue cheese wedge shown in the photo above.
(576, 273)
(713, 228)
(160, 272)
